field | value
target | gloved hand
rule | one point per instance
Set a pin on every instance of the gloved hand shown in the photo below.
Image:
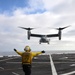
(43, 51)
(15, 49)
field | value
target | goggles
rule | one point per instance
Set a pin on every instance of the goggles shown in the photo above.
(27, 48)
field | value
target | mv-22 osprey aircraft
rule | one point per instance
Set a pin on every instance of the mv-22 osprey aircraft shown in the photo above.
(44, 38)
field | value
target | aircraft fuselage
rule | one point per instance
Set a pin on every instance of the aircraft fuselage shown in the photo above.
(44, 40)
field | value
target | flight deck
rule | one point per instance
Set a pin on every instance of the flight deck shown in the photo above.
(64, 64)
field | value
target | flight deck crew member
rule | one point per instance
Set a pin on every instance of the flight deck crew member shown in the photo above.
(27, 57)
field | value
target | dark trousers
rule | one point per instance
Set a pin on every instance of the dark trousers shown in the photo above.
(27, 69)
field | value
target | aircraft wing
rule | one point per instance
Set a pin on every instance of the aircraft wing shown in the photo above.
(52, 35)
(49, 35)
(36, 35)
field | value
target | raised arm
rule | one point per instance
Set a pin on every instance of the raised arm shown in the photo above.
(20, 53)
(37, 53)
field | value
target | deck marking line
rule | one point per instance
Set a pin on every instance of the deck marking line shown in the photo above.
(2, 68)
(68, 73)
(53, 67)
(21, 62)
(15, 73)
(8, 59)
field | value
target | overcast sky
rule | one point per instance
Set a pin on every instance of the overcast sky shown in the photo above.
(44, 15)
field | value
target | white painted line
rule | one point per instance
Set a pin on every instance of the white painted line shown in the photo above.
(15, 73)
(53, 67)
(64, 58)
(14, 62)
(70, 73)
(21, 62)
(65, 62)
(2, 68)
(8, 59)
(72, 65)
(39, 62)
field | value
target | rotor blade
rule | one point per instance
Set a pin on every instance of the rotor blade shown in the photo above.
(62, 28)
(23, 27)
(26, 28)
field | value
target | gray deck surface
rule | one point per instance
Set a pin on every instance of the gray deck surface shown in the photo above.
(64, 63)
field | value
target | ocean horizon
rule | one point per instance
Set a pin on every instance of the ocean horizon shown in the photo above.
(12, 53)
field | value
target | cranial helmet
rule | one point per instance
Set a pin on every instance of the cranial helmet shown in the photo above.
(27, 48)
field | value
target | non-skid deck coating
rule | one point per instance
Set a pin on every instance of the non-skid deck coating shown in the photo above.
(64, 65)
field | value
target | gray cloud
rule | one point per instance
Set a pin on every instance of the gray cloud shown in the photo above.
(13, 37)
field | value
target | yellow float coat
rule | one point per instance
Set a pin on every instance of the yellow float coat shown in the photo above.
(28, 56)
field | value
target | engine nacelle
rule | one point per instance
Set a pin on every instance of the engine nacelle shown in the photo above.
(59, 34)
(29, 33)
(28, 37)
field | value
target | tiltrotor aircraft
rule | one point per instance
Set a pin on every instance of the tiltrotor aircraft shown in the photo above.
(44, 38)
